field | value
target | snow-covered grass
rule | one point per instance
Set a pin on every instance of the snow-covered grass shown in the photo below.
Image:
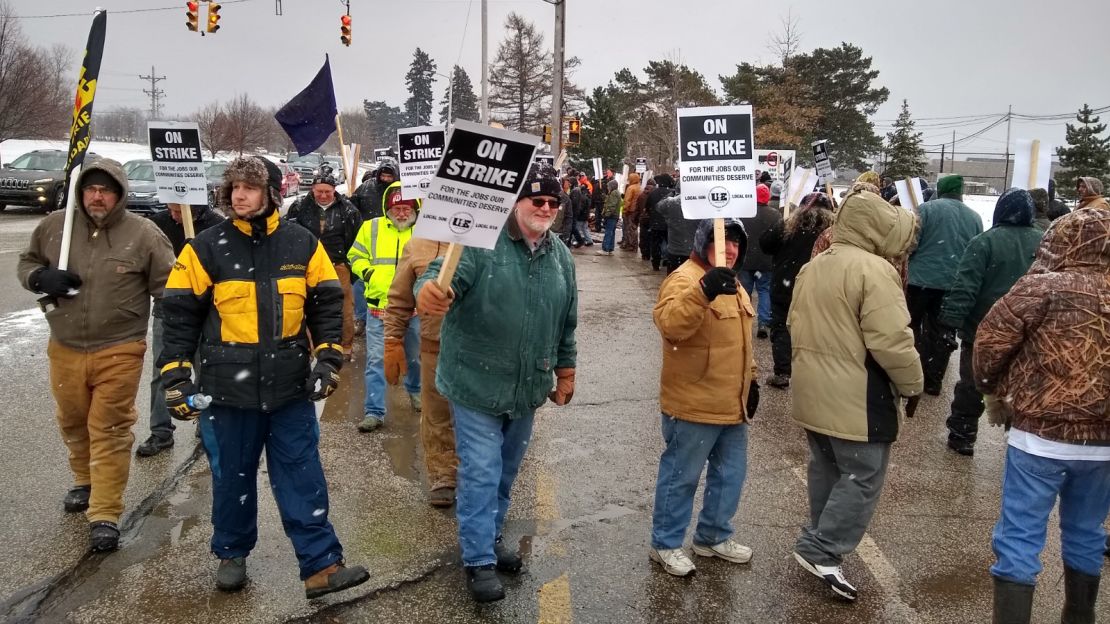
(123, 152)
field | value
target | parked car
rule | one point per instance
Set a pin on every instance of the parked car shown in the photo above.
(142, 193)
(35, 179)
(290, 180)
(309, 165)
(214, 173)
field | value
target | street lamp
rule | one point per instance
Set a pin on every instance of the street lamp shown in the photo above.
(450, 94)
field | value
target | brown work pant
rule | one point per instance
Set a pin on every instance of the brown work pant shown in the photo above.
(95, 393)
(436, 431)
(628, 236)
(347, 338)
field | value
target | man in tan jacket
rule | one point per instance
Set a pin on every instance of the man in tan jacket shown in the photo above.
(853, 360)
(436, 433)
(118, 261)
(707, 393)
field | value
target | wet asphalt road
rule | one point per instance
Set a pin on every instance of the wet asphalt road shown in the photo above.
(581, 510)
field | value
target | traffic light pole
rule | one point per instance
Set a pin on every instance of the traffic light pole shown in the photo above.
(557, 78)
(485, 62)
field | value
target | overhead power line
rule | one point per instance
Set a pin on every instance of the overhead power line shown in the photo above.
(147, 10)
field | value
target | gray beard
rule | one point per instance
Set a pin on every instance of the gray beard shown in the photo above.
(402, 225)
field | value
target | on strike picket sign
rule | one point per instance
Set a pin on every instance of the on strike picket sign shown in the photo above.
(421, 148)
(716, 162)
(476, 185)
(821, 159)
(178, 162)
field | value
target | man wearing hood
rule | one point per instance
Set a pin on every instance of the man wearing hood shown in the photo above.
(629, 240)
(335, 222)
(161, 425)
(248, 292)
(991, 264)
(707, 395)
(507, 345)
(853, 361)
(680, 233)
(1089, 192)
(643, 219)
(118, 261)
(1041, 358)
(947, 226)
(374, 257)
(664, 189)
(368, 197)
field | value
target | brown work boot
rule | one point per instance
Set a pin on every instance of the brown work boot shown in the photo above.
(442, 496)
(333, 578)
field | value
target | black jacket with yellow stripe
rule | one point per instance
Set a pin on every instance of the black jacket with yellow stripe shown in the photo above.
(246, 291)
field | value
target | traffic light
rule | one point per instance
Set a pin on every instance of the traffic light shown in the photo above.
(213, 17)
(574, 132)
(546, 133)
(192, 14)
(345, 30)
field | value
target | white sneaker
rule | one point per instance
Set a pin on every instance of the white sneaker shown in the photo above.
(727, 550)
(832, 575)
(674, 561)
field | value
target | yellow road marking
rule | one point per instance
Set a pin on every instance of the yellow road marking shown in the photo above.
(555, 601)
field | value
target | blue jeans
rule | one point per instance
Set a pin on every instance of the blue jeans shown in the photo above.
(760, 281)
(490, 449)
(375, 363)
(359, 290)
(1030, 486)
(689, 447)
(581, 233)
(610, 239)
(234, 440)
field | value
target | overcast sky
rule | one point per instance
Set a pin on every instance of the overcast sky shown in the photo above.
(947, 57)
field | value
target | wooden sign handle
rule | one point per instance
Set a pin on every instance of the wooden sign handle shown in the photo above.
(909, 191)
(187, 221)
(719, 242)
(450, 263)
(1034, 157)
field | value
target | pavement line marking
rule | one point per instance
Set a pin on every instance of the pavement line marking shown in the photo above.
(880, 568)
(555, 601)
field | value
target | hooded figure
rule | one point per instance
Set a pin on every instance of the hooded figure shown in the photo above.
(707, 395)
(854, 360)
(664, 189)
(680, 233)
(632, 194)
(368, 197)
(1089, 190)
(991, 264)
(1041, 356)
(1040, 212)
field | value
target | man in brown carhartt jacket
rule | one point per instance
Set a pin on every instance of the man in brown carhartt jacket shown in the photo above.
(436, 432)
(118, 261)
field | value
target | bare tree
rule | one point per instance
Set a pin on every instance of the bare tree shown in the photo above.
(786, 43)
(32, 99)
(520, 79)
(124, 124)
(247, 126)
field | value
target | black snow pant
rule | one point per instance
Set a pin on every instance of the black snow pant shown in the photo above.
(645, 242)
(658, 239)
(780, 336)
(967, 403)
(934, 342)
(673, 261)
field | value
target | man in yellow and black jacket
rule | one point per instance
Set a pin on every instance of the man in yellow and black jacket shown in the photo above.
(246, 292)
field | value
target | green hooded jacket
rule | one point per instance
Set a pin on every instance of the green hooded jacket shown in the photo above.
(510, 326)
(947, 226)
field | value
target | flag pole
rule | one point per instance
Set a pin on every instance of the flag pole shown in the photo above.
(343, 152)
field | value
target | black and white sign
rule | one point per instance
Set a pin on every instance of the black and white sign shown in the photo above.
(476, 185)
(641, 166)
(821, 160)
(716, 162)
(546, 160)
(178, 163)
(420, 151)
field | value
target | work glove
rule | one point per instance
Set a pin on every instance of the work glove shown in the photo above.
(718, 281)
(753, 399)
(564, 386)
(324, 378)
(56, 282)
(395, 363)
(432, 300)
(998, 413)
(179, 386)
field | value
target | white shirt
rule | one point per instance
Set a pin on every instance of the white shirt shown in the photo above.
(1052, 449)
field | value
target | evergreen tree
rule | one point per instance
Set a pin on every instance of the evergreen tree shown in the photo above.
(419, 80)
(1087, 153)
(905, 154)
(603, 132)
(464, 104)
(384, 121)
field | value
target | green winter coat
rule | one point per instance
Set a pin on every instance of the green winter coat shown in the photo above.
(510, 326)
(612, 208)
(992, 263)
(947, 226)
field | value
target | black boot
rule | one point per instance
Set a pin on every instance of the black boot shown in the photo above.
(1080, 593)
(483, 584)
(77, 499)
(103, 536)
(508, 559)
(1013, 602)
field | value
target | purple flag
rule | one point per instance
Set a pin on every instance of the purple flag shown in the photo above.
(309, 118)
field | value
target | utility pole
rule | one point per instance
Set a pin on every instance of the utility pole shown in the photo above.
(485, 62)
(557, 79)
(942, 146)
(155, 93)
(953, 167)
(1009, 116)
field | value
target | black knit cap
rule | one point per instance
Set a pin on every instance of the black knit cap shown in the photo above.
(541, 180)
(98, 177)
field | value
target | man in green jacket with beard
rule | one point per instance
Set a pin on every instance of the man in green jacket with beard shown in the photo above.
(507, 340)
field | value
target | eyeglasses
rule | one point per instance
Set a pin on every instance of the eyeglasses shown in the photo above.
(538, 202)
(96, 189)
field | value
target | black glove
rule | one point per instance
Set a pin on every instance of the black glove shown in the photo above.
(178, 384)
(753, 399)
(55, 282)
(718, 281)
(326, 373)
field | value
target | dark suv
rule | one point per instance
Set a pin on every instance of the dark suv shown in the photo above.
(142, 193)
(35, 179)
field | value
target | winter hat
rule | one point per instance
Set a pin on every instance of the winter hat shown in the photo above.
(541, 180)
(664, 180)
(388, 168)
(817, 200)
(613, 185)
(256, 171)
(734, 231)
(762, 194)
(776, 189)
(1014, 207)
(950, 185)
(99, 177)
(869, 177)
(325, 178)
(395, 199)
(765, 178)
(1094, 186)
(1040, 201)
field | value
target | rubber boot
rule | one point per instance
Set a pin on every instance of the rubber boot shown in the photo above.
(1080, 593)
(1013, 602)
